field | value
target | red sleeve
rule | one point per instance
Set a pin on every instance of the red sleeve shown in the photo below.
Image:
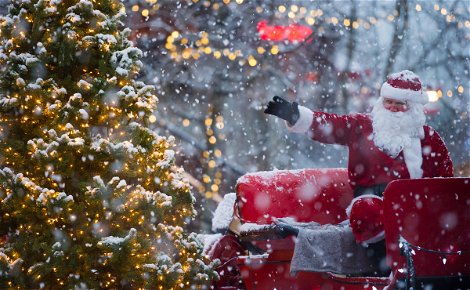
(334, 129)
(442, 163)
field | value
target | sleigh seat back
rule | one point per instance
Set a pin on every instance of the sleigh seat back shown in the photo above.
(319, 195)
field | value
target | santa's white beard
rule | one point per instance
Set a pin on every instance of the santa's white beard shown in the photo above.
(397, 131)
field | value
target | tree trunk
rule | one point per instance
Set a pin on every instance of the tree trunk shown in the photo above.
(402, 9)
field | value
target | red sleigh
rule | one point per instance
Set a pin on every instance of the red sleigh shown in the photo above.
(427, 231)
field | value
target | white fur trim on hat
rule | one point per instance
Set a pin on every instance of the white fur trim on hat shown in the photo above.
(348, 209)
(304, 122)
(390, 92)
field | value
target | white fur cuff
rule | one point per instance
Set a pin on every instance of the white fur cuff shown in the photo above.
(380, 236)
(304, 122)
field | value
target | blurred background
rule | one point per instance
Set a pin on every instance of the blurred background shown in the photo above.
(216, 64)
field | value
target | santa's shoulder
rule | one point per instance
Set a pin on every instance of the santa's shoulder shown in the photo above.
(430, 131)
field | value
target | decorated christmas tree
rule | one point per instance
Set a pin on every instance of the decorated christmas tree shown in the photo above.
(89, 196)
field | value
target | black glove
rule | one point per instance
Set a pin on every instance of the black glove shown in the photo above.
(283, 109)
(284, 230)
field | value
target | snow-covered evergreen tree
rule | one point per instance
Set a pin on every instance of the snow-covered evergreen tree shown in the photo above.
(89, 196)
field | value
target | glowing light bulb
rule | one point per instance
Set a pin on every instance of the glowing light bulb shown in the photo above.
(432, 96)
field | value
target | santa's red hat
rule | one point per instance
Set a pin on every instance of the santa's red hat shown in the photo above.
(404, 86)
(366, 218)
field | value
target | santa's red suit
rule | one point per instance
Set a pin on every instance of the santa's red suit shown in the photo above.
(423, 154)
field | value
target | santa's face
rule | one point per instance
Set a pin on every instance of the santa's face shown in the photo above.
(395, 105)
(394, 127)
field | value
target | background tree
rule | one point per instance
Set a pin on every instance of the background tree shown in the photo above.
(214, 58)
(90, 196)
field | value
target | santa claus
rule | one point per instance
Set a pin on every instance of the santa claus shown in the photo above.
(392, 142)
